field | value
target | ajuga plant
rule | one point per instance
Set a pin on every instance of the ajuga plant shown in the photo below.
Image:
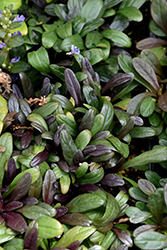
(150, 210)
(92, 26)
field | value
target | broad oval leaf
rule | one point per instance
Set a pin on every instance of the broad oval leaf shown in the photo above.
(162, 101)
(146, 186)
(91, 9)
(132, 13)
(158, 12)
(140, 217)
(147, 107)
(49, 227)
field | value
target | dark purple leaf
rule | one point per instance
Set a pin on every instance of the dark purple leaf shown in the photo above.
(87, 120)
(63, 165)
(40, 3)
(60, 211)
(49, 189)
(26, 85)
(158, 13)
(74, 245)
(123, 236)
(13, 205)
(29, 200)
(123, 247)
(88, 149)
(125, 130)
(15, 221)
(50, 119)
(38, 139)
(150, 42)
(18, 133)
(88, 187)
(39, 127)
(101, 135)
(115, 81)
(26, 138)
(11, 170)
(73, 168)
(21, 187)
(13, 104)
(1, 219)
(112, 180)
(100, 150)
(20, 118)
(39, 158)
(25, 107)
(30, 240)
(76, 219)
(56, 138)
(62, 197)
(46, 88)
(78, 157)
(162, 101)
(73, 86)
(87, 65)
(17, 91)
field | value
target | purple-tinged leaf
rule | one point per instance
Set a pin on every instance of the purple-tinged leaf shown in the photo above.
(76, 219)
(112, 180)
(49, 119)
(123, 247)
(165, 194)
(87, 65)
(56, 139)
(60, 211)
(13, 205)
(25, 107)
(40, 3)
(1, 219)
(146, 186)
(21, 187)
(144, 228)
(123, 236)
(89, 149)
(11, 170)
(26, 85)
(26, 138)
(138, 121)
(116, 81)
(13, 104)
(73, 86)
(15, 221)
(88, 187)
(158, 13)
(29, 200)
(101, 135)
(39, 158)
(18, 133)
(78, 157)
(100, 150)
(49, 189)
(162, 101)
(147, 72)
(58, 248)
(30, 240)
(61, 197)
(17, 91)
(125, 130)
(74, 245)
(150, 42)
(46, 89)
(63, 165)
(20, 118)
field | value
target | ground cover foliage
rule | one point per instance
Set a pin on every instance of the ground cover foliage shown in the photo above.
(73, 104)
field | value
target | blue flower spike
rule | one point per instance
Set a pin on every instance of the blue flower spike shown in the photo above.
(14, 60)
(18, 33)
(19, 19)
(74, 50)
(2, 45)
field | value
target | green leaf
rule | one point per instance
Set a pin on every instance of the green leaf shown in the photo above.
(16, 4)
(71, 125)
(16, 41)
(3, 113)
(94, 55)
(46, 109)
(83, 139)
(132, 13)
(58, 71)
(155, 204)
(151, 240)
(33, 212)
(81, 170)
(147, 107)
(108, 112)
(20, 66)
(14, 244)
(49, 39)
(146, 186)
(92, 39)
(134, 3)
(153, 156)
(72, 40)
(65, 103)
(90, 97)
(156, 29)
(60, 12)
(49, 227)
(125, 63)
(73, 3)
(140, 216)
(117, 37)
(76, 233)
(91, 26)
(92, 177)
(38, 119)
(65, 182)
(91, 9)
(39, 59)
(65, 30)
(6, 141)
(97, 125)
(142, 132)
(137, 194)
(153, 177)
(85, 202)
(68, 146)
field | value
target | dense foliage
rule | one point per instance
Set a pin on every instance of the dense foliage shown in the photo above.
(73, 104)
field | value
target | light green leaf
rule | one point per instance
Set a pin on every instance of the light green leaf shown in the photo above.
(132, 13)
(49, 227)
(16, 4)
(49, 39)
(91, 9)
(117, 37)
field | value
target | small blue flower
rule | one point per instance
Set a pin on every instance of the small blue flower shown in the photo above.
(2, 45)
(74, 50)
(19, 19)
(14, 77)
(18, 33)
(14, 60)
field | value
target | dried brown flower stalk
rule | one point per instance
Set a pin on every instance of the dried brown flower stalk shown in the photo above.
(5, 82)
(41, 101)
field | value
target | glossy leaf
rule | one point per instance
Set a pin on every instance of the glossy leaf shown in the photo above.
(123, 236)
(76, 219)
(158, 12)
(142, 132)
(108, 112)
(46, 109)
(112, 180)
(30, 240)
(65, 103)
(24, 106)
(49, 227)
(38, 119)
(69, 41)
(131, 12)
(147, 107)
(146, 186)
(48, 39)
(150, 42)
(140, 216)
(76, 233)
(83, 139)
(33, 212)
(155, 203)
(92, 177)
(49, 189)
(39, 158)
(91, 9)
(162, 101)
(117, 37)
(15, 221)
